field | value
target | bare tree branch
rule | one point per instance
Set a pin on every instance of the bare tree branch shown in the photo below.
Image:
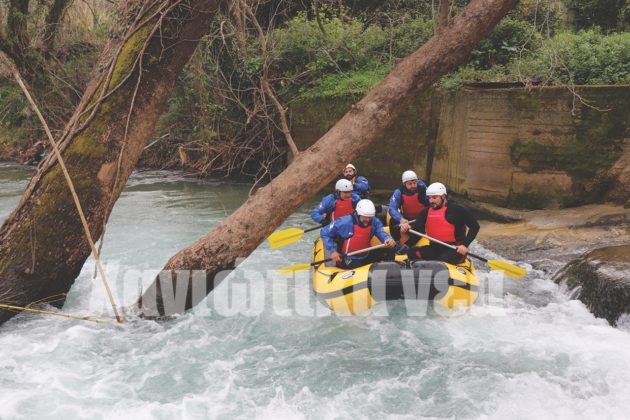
(53, 23)
(265, 80)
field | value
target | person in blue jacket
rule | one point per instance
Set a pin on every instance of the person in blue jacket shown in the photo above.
(353, 233)
(339, 204)
(360, 183)
(406, 202)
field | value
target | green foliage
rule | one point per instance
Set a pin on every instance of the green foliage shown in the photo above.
(351, 55)
(583, 58)
(512, 38)
(409, 35)
(608, 15)
(349, 83)
(508, 40)
(218, 99)
(586, 57)
(15, 106)
(16, 121)
(301, 45)
(452, 82)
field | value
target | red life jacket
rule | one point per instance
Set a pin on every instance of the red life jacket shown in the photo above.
(438, 227)
(360, 239)
(411, 206)
(342, 208)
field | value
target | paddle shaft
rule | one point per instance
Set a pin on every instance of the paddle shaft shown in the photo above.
(321, 226)
(415, 232)
(314, 228)
(360, 251)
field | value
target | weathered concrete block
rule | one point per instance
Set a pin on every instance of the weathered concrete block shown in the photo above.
(504, 146)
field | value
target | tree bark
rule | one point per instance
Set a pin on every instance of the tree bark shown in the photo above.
(316, 167)
(445, 13)
(53, 23)
(42, 245)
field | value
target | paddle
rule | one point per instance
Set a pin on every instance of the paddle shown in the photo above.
(290, 269)
(511, 270)
(288, 236)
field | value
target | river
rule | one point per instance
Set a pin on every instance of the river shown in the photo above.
(530, 352)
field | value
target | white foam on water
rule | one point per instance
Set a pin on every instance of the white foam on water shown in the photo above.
(534, 353)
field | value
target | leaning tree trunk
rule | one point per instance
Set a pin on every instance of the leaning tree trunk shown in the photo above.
(42, 244)
(241, 232)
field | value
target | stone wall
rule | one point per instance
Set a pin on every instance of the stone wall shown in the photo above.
(548, 147)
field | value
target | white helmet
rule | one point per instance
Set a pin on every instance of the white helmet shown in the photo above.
(437, 188)
(350, 165)
(366, 208)
(343, 185)
(409, 176)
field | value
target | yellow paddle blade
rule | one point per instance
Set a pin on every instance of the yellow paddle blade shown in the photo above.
(284, 237)
(290, 269)
(511, 270)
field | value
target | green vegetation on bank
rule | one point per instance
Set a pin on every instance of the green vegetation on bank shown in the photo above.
(549, 45)
(220, 121)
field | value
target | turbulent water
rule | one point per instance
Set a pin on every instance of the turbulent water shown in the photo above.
(530, 352)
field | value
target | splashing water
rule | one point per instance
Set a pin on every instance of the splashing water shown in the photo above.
(534, 353)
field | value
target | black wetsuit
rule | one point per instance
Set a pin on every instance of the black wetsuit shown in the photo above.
(457, 215)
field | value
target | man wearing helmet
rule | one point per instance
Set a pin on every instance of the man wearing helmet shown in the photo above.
(360, 183)
(354, 232)
(336, 205)
(406, 202)
(444, 220)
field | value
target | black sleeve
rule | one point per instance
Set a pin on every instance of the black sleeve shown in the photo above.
(465, 217)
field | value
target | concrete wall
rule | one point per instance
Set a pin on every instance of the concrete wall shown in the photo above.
(403, 145)
(544, 148)
(547, 147)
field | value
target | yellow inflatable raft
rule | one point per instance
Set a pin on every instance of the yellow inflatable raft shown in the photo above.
(357, 290)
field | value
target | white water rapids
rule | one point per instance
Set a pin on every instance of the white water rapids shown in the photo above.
(534, 353)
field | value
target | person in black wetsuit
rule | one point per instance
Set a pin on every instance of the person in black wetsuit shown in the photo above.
(444, 220)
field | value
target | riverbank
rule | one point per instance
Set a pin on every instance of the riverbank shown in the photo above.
(548, 239)
(585, 249)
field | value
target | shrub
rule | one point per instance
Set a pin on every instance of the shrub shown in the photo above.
(510, 39)
(608, 15)
(586, 57)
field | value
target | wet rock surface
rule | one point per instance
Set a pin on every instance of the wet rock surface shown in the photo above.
(601, 280)
(549, 239)
(587, 248)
